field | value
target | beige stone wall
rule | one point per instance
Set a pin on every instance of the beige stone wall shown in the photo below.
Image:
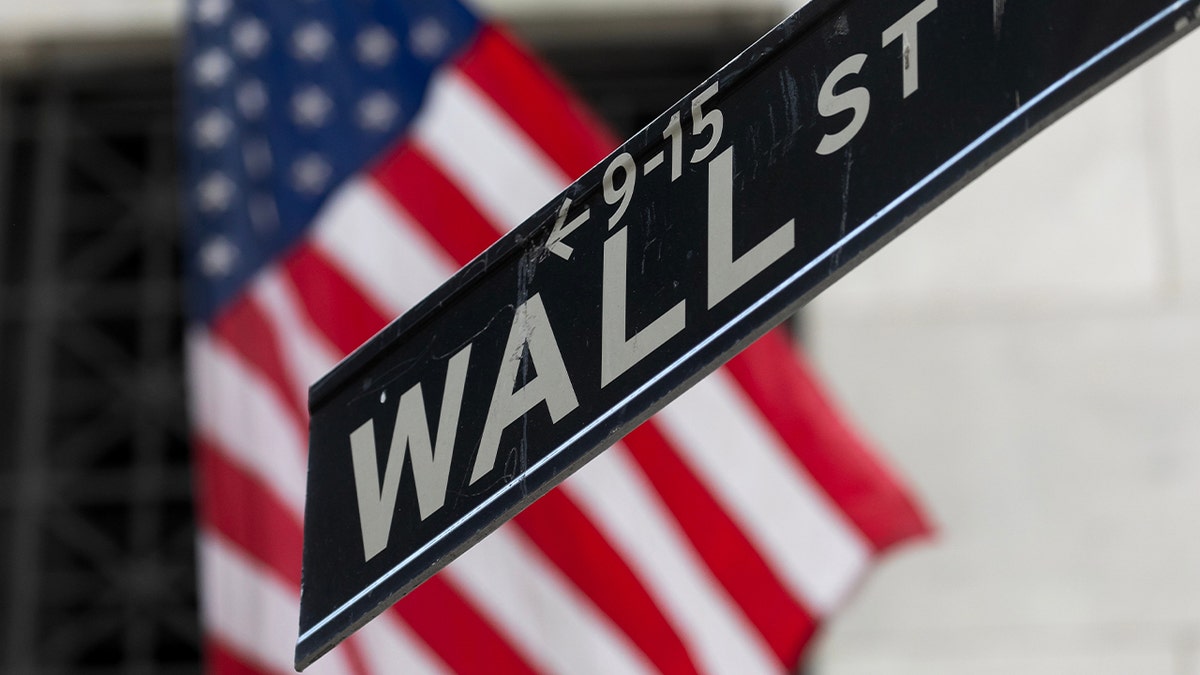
(1029, 356)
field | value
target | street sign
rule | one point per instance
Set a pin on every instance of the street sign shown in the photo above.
(830, 136)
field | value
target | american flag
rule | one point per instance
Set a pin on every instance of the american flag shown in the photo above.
(347, 157)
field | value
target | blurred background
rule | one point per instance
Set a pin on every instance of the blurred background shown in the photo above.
(1028, 356)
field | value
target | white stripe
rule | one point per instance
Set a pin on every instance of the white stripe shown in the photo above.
(624, 506)
(236, 409)
(379, 247)
(544, 615)
(480, 148)
(250, 610)
(389, 646)
(307, 355)
(798, 530)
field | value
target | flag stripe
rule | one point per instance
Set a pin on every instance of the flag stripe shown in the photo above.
(245, 331)
(285, 534)
(323, 287)
(478, 147)
(249, 611)
(307, 354)
(739, 456)
(444, 212)
(497, 652)
(457, 631)
(389, 646)
(354, 658)
(778, 383)
(439, 616)
(233, 408)
(273, 543)
(568, 539)
(572, 138)
(221, 661)
(729, 555)
(547, 619)
(427, 629)
(361, 230)
(613, 492)
(228, 494)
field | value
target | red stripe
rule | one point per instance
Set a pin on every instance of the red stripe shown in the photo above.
(221, 661)
(218, 660)
(272, 537)
(442, 210)
(784, 623)
(335, 306)
(568, 539)
(246, 512)
(245, 329)
(456, 631)
(351, 650)
(780, 385)
(536, 102)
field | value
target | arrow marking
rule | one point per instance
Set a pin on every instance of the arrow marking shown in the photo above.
(555, 242)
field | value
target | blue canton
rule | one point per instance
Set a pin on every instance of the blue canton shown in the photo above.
(284, 100)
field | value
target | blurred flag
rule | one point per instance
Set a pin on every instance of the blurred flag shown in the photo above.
(344, 158)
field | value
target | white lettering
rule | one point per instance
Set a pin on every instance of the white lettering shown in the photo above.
(701, 120)
(430, 461)
(624, 193)
(674, 134)
(830, 104)
(530, 331)
(906, 29)
(725, 274)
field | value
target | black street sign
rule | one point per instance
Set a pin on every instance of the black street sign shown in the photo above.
(835, 132)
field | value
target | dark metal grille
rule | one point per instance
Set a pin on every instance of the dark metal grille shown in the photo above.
(98, 572)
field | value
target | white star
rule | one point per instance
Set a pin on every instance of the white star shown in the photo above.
(212, 12)
(375, 46)
(215, 192)
(256, 153)
(377, 111)
(218, 257)
(311, 107)
(263, 213)
(212, 68)
(250, 37)
(311, 42)
(251, 99)
(429, 38)
(212, 129)
(310, 174)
